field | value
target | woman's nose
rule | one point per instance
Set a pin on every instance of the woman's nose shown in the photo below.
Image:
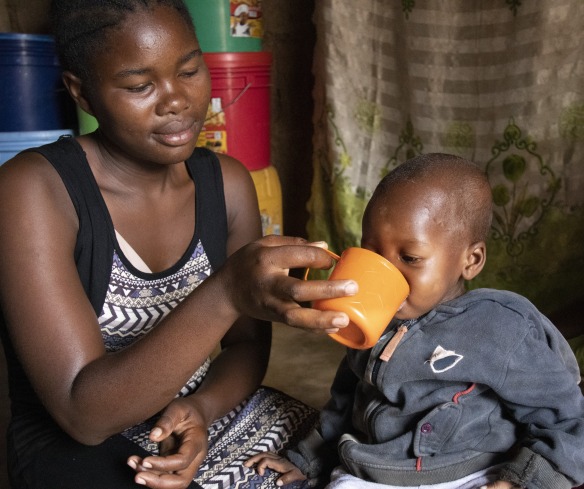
(173, 99)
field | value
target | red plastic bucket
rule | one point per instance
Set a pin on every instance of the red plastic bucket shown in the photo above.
(238, 122)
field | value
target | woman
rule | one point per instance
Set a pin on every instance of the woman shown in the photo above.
(114, 288)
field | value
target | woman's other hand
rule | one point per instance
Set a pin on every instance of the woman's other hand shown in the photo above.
(269, 460)
(182, 435)
(257, 280)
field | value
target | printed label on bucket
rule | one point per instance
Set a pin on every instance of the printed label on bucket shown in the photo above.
(246, 19)
(213, 134)
(213, 140)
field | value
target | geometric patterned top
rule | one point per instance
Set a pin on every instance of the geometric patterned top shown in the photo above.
(135, 304)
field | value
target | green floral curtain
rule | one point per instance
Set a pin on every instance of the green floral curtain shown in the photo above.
(499, 82)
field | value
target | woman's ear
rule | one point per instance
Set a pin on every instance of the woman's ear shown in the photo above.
(476, 255)
(75, 88)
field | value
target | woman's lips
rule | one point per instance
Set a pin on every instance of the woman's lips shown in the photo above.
(176, 134)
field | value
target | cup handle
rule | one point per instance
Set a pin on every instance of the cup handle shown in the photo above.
(333, 255)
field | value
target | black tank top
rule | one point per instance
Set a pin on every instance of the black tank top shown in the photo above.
(94, 248)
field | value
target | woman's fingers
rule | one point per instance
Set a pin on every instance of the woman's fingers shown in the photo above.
(183, 446)
(174, 471)
(310, 290)
(315, 320)
(163, 480)
(257, 280)
(163, 428)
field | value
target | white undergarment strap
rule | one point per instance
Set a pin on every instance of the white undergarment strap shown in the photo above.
(131, 255)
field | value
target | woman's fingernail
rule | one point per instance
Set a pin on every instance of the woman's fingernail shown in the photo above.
(156, 432)
(132, 464)
(320, 244)
(148, 465)
(340, 321)
(331, 330)
(351, 288)
(140, 481)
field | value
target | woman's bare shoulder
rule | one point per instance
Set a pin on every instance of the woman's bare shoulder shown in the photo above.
(33, 192)
(27, 169)
(241, 201)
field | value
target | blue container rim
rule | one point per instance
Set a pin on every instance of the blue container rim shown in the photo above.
(14, 136)
(19, 36)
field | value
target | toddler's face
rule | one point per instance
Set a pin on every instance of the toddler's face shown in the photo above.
(417, 232)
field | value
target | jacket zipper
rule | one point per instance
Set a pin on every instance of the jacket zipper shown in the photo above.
(387, 352)
(388, 349)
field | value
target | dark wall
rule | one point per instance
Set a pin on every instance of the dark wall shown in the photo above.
(290, 36)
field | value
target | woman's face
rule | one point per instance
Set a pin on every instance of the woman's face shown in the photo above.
(151, 88)
(415, 230)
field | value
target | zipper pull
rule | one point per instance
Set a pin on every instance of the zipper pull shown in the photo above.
(387, 352)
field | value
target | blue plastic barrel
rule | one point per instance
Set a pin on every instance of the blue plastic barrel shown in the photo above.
(12, 143)
(33, 96)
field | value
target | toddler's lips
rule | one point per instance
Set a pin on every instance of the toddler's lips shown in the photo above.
(401, 305)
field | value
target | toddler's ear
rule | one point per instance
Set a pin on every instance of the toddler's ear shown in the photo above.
(476, 255)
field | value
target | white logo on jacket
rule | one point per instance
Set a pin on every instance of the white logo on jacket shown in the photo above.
(443, 360)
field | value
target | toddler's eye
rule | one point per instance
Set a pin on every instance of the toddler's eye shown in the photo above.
(409, 260)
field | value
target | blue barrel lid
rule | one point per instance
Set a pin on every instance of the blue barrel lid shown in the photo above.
(18, 137)
(19, 49)
(19, 36)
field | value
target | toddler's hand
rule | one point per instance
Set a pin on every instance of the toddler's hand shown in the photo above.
(269, 460)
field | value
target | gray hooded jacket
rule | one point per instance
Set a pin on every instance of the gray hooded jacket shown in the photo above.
(480, 380)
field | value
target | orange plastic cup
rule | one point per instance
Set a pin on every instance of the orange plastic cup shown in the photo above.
(382, 289)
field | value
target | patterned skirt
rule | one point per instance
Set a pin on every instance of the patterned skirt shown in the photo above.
(269, 420)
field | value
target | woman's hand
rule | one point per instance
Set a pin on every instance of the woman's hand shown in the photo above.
(182, 435)
(269, 460)
(257, 280)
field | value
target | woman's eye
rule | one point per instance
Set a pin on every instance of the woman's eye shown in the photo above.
(138, 88)
(190, 73)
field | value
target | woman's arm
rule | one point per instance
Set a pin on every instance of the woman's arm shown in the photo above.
(245, 349)
(55, 332)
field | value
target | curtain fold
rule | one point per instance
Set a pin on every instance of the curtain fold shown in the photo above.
(499, 82)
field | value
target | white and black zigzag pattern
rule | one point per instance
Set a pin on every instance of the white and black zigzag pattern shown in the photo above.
(268, 421)
(134, 305)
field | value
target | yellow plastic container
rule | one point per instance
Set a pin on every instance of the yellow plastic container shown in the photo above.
(269, 192)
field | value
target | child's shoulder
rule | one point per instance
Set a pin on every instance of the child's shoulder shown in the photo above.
(496, 303)
(504, 297)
